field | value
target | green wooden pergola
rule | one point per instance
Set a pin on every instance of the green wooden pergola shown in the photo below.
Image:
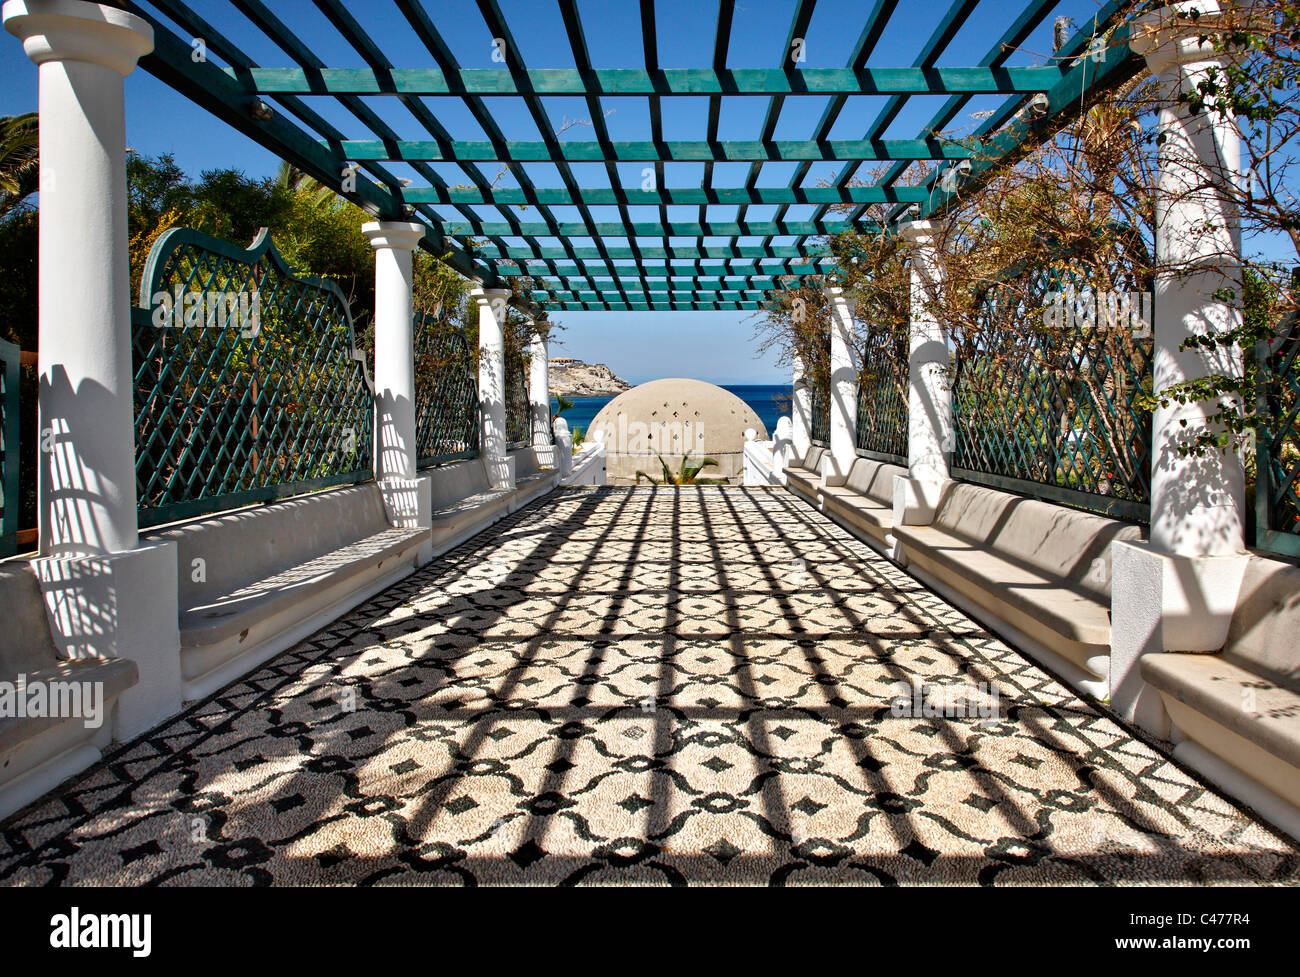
(631, 264)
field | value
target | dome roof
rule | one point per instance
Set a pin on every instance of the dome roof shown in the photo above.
(676, 416)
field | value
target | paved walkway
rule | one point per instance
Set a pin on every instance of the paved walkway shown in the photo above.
(649, 686)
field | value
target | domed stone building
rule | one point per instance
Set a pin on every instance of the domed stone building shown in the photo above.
(672, 418)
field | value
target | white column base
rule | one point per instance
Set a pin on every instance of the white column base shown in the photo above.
(915, 500)
(500, 472)
(783, 447)
(563, 446)
(409, 505)
(831, 472)
(122, 605)
(1162, 602)
(547, 455)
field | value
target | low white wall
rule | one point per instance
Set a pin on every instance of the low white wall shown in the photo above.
(588, 466)
(760, 464)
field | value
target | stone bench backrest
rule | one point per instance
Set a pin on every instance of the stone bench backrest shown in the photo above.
(1265, 633)
(456, 481)
(248, 544)
(1056, 540)
(25, 641)
(525, 462)
(875, 479)
(812, 461)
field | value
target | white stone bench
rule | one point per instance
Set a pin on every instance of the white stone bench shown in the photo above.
(865, 502)
(531, 480)
(1039, 569)
(1236, 714)
(806, 477)
(38, 752)
(254, 581)
(465, 503)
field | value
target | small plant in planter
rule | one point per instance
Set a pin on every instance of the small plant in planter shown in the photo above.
(687, 475)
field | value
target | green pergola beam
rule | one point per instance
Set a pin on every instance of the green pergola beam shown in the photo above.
(614, 295)
(616, 262)
(1009, 42)
(694, 229)
(757, 275)
(762, 283)
(212, 88)
(597, 305)
(662, 82)
(996, 56)
(667, 196)
(681, 251)
(429, 36)
(1083, 81)
(681, 151)
(761, 279)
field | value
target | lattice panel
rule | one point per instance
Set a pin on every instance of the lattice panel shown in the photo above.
(1055, 406)
(821, 416)
(1279, 456)
(236, 400)
(882, 395)
(518, 422)
(446, 395)
(9, 456)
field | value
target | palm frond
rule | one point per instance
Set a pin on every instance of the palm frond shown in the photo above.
(19, 160)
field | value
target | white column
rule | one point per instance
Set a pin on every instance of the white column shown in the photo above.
(929, 398)
(844, 389)
(1179, 592)
(539, 383)
(393, 242)
(492, 383)
(408, 499)
(1197, 503)
(801, 413)
(107, 596)
(87, 501)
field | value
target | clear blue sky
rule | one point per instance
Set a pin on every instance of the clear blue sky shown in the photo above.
(716, 346)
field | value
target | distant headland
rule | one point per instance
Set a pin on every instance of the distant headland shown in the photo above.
(574, 378)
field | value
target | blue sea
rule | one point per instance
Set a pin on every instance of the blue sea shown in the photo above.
(768, 401)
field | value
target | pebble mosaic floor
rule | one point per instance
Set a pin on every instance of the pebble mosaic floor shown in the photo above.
(626, 686)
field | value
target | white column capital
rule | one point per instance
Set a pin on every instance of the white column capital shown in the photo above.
(393, 235)
(488, 297)
(74, 30)
(920, 234)
(839, 296)
(1170, 36)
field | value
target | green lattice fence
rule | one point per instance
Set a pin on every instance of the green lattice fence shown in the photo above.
(882, 397)
(9, 456)
(518, 420)
(446, 395)
(1050, 409)
(248, 382)
(1277, 481)
(820, 421)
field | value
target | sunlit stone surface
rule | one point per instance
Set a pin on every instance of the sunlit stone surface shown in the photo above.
(644, 685)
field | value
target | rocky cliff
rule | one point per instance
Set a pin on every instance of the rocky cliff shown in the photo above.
(574, 378)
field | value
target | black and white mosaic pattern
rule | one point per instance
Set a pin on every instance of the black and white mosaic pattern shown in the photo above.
(655, 686)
